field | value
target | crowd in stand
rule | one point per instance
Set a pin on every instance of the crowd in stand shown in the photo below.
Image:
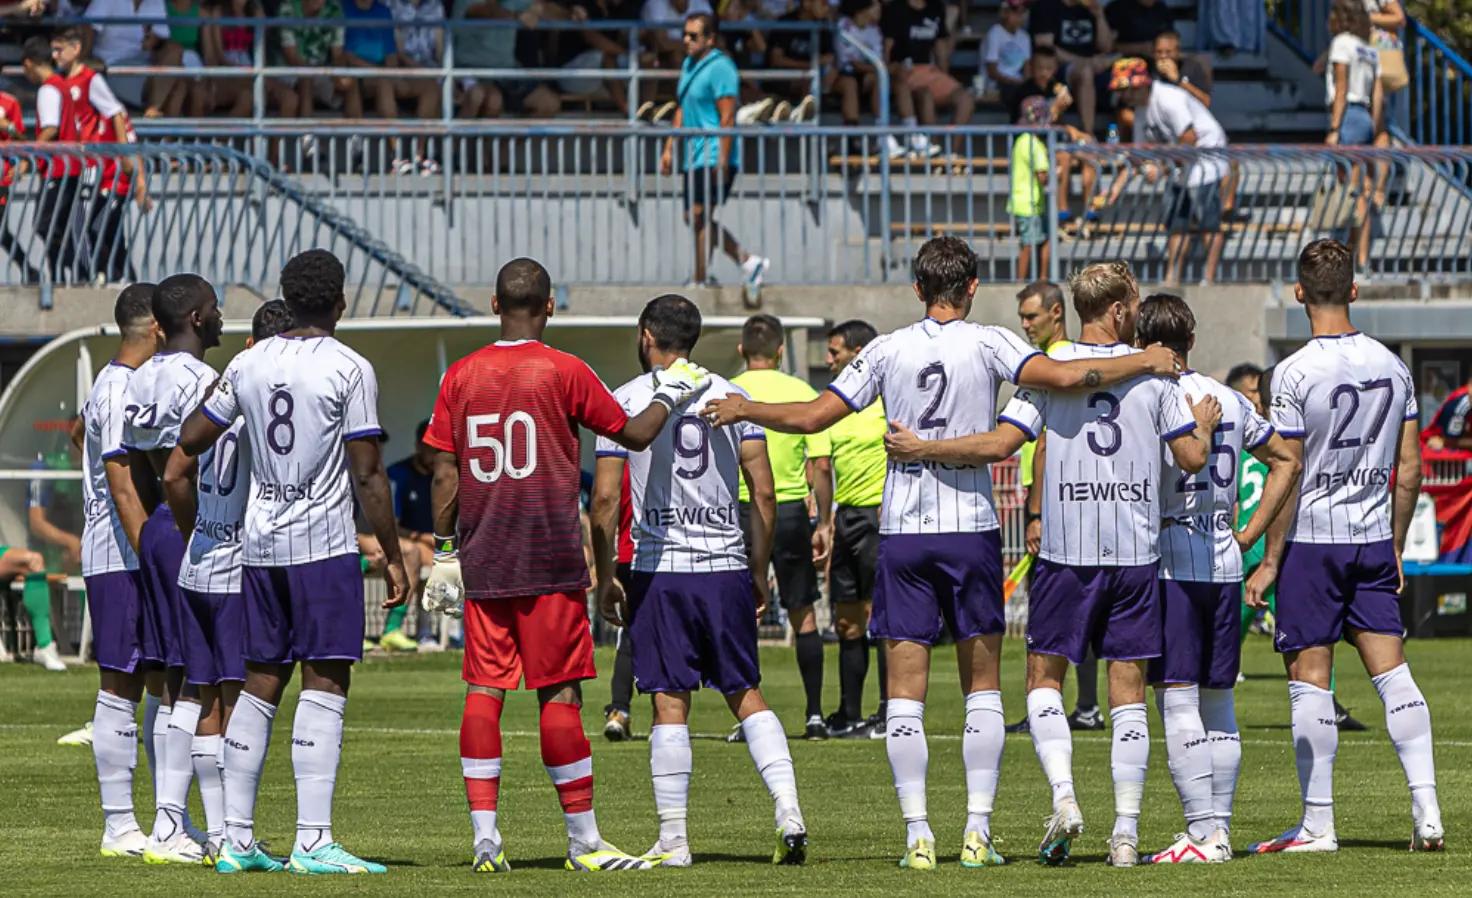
(942, 58)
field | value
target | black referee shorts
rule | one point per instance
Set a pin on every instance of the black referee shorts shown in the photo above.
(855, 554)
(792, 554)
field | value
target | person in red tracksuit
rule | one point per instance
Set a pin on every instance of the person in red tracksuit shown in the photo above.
(62, 175)
(12, 127)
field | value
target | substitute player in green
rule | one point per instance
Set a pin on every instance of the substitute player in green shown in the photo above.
(797, 546)
(859, 464)
(1044, 317)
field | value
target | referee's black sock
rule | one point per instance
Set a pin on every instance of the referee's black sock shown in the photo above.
(883, 674)
(810, 665)
(853, 666)
(623, 675)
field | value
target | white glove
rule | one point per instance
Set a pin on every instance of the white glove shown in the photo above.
(679, 382)
(444, 591)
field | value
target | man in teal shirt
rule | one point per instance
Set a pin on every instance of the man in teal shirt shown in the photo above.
(707, 94)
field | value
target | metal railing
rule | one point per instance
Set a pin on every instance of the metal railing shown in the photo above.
(1440, 89)
(209, 209)
(830, 205)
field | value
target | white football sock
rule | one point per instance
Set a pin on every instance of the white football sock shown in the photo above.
(909, 759)
(1129, 758)
(1219, 715)
(204, 752)
(669, 765)
(1052, 740)
(1315, 742)
(1408, 720)
(1188, 755)
(981, 753)
(316, 748)
(151, 704)
(247, 737)
(176, 769)
(158, 737)
(768, 746)
(115, 751)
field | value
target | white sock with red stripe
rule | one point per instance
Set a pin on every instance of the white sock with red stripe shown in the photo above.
(569, 761)
(480, 761)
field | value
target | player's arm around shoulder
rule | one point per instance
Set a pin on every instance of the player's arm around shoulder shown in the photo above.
(904, 445)
(1188, 432)
(1044, 372)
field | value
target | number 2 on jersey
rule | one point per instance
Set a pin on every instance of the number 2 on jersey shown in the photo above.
(505, 449)
(935, 371)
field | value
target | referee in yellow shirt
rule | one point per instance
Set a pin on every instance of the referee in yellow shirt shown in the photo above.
(796, 547)
(859, 464)
(1044, 317)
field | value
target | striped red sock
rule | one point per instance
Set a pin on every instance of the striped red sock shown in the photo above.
(567, 756)
(480, 758)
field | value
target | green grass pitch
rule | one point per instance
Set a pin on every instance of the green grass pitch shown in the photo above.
(400, 798)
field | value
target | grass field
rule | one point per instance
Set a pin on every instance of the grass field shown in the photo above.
(400, 798)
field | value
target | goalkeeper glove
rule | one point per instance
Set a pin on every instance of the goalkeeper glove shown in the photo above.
(444, 591)
(679, 382)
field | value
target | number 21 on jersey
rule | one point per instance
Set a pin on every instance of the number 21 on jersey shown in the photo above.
(517, 437)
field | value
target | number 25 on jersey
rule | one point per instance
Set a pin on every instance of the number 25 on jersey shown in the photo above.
(517, 437)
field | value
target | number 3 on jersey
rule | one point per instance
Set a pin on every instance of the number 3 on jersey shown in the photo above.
(518, 437)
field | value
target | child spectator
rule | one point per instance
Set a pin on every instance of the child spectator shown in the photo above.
(1028, 204)
(1006, 49)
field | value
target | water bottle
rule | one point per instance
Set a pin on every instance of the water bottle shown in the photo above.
(1113, 135)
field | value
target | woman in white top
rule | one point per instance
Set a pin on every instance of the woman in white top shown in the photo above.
(1356, 106)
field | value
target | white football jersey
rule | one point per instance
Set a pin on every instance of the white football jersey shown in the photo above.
(105, 546)
(212, 560)
(301, 398)
(684, 486)
(164, 391)
(1101, 478)
(1346, 397)
(939, 380)
(1198, 511)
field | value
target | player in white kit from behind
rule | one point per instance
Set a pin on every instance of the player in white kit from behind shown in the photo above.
(1201, 593)
(1094, 586)
(110, 569)
(310, 406)
(940, 553)
(1347, 406)
(693, 597)
(213, 618)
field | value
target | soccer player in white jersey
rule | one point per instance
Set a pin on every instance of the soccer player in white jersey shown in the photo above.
(1094, 584)
(1201, 593)
(212, 615)
(310, 406)
(110, 568)
(1347, 406)
(160, 395)
(940, 543)
(694, 596)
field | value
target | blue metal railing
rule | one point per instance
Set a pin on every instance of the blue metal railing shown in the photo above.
(1440, 89)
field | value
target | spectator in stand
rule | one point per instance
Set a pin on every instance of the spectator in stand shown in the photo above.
(107, 214)
(234, 46)
(797, 50)
(917, 49)
(418, 45)
(1387, 18)
(1137, 23)
(594, 49)
(311, 46)
(1042, 81)
(192, 95)
(496, 48)
(1168, 115)
(1169, 64)
(12, 128)
(1006, 50)
(369, 48)
(1080, 33)
(1028, 202)
(1232, 26)
(137, 45)
(740, 36)
(1356, 98)
(857, 76)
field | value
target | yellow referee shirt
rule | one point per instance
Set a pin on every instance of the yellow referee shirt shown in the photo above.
(859, 461)
(787, 452)
(1030, 449)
